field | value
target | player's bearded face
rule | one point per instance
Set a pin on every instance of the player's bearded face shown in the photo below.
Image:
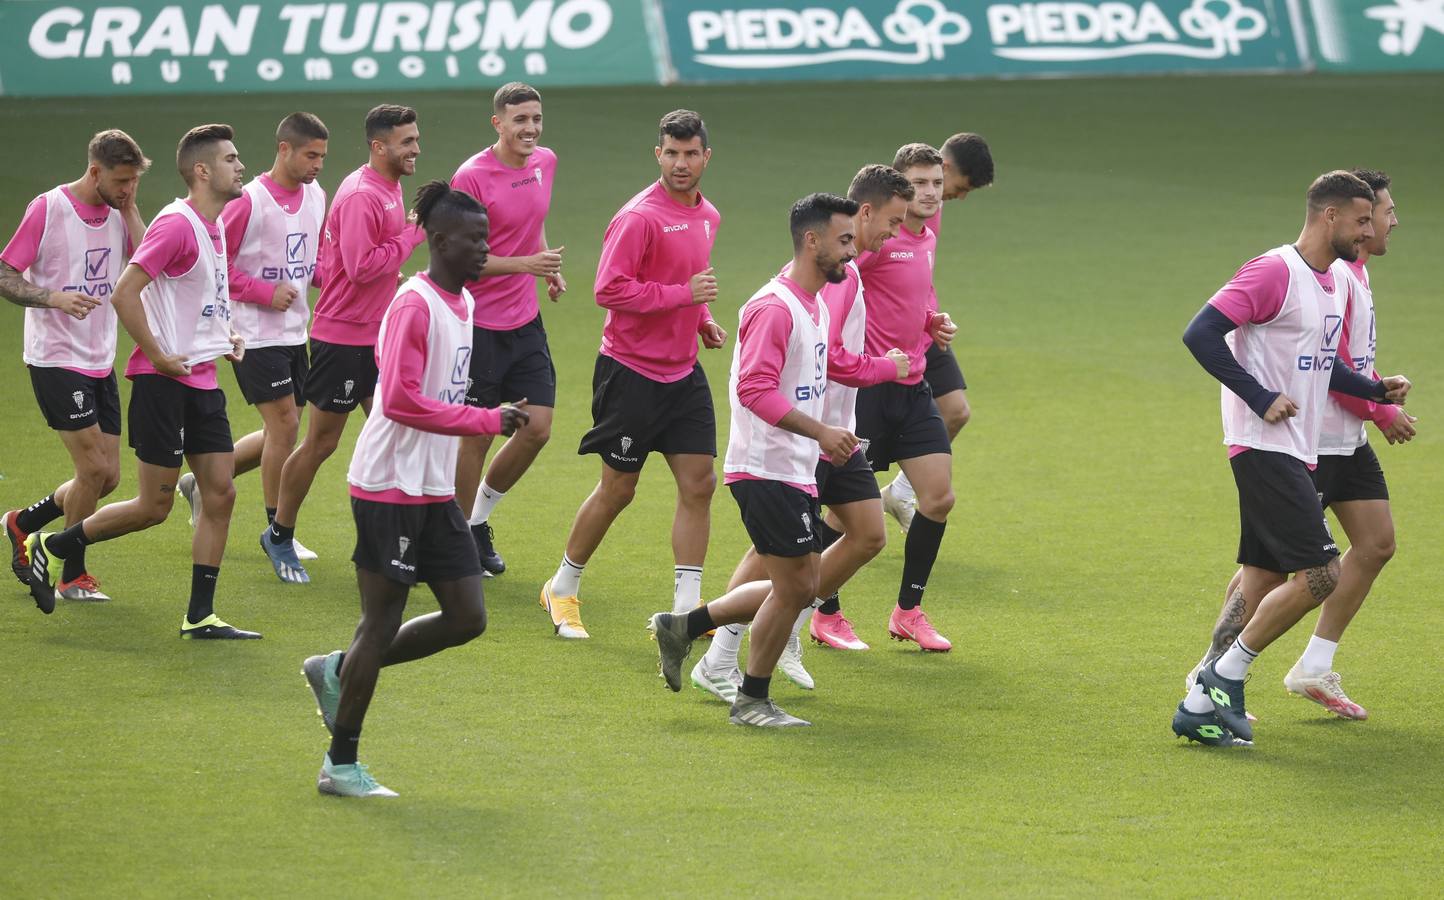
(117, 186)
(835, 251)
(401, 146)
(1385, 218)
(227, 171)
(682, 162)
(304, 163)
(1353, 229)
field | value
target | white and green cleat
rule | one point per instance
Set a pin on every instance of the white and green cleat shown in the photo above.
(350, 780)
(722, 685)
(323, 673)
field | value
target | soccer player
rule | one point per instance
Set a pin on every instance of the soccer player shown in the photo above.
(849, 490)
(967, 166)
(1272, 336)
(777, 389)
(173, 301)
(510, 358)
(366, 238)
(654, 279)
(273, 233)
(408, 529)
(62, 264)
(1350, 481)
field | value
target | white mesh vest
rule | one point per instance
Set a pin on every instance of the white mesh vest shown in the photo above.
(1293, 353)
(766, 451)
(279, 246)
(391, 456)
(190, 314)
(839, 405)
(85, 259)
(1343, 432)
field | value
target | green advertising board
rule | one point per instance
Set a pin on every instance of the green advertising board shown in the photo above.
(1379, 36)
(151, 47)
(743, 40)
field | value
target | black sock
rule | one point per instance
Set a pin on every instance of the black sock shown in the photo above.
(344, 742)
(919, 553)
(38, 514)
(756, 687)
(831, 606)
(340, 661)
(699, 622)
(271, 515)
(280, 534)
(69, 542)
(203, 592)
(828, 534)
(74, 565)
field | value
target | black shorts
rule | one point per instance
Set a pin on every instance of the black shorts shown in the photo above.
(507, 366)
(633, 415)
(943, 373)
(428, 542)
(1339, 479)
(71, 401)
(168, 420)
(340, 377)
(780, 519)
(272, 373)
(899, 421)
(1281, 522)
(850, 482)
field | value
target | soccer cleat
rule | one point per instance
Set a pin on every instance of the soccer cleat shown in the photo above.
(1325, 690)
(673, 645)
(19, 559)
(41, 580)
(303, 553)
(283, 560)
(1205, 728)
(351, 780)
(834, 631)
(491, 561)
(83, 587)
(791, 665)
(211, 628)
(566, 614)
(323, 673)
(902, 510)
(762, 714)
(722, 685)
(912, 625)
(1226, 695)
(186, 487)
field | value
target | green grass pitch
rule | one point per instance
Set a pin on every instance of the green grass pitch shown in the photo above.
(1094, 532)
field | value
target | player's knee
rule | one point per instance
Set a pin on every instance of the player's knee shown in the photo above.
(699, 490)
(938, 507)
(469, 625)
(535, 434)
(96, 475)
(870, 540)
(156, 508)
(220, 498)
(617, 493)
(960, 417)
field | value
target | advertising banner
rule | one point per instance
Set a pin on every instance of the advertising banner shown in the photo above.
(1382, 36)
(153, 47)
(749, 40)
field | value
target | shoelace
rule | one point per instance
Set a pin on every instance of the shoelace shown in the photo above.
(87, 582)
(1333, 685)
(571, 610)
(844, 628)
(364, 776)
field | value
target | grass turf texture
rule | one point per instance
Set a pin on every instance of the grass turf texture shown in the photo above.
(1094, 532)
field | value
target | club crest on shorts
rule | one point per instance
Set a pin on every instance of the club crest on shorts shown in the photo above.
(79, 398)
(348, 386)
(403, 543)
(807, 523)
(626, 445)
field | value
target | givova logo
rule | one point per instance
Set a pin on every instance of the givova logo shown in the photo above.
(1083, 32)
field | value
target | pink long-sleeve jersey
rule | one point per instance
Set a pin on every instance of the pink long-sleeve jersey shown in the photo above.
(901, 305)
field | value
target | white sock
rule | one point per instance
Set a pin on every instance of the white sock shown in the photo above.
(901, 488)
(687, 589)
(1235, 661)
(1197, 700)
(722, 655)
(568, 579)
(1318, 658)
(802, 618)
(486, 500)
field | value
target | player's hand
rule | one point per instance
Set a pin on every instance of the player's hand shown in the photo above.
(546, 263)
(1282, 408)
(283, 296)
(713, 336)
(837, 443)
(412, 217)
(1401, 430)
(514, 416)
(238, 348)
(556, 286)
(899, 359)
(72, 303)
(1397, 388)
(704, 286)
(942, 330)
(172, 364)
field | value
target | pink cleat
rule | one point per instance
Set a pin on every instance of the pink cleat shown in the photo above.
(834, 631)
(912, 625)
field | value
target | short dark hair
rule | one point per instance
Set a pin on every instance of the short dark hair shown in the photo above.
(435, 200)
(1376, 180)
(114, 147)
(682, 124)
(382, 119)
(876, 184)
(513, 93)
(909, 155)
(196, 143)
(301, 128)
(969, 154)
(1333, 188)
(816, 210)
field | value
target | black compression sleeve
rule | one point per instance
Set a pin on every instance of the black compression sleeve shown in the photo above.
(1204, 338)
(1346, 381)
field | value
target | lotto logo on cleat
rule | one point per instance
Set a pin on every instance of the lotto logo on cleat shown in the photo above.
(1213, 732)
(79, 399)
(1218, 697)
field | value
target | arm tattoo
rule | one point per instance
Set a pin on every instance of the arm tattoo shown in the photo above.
(1322, 580)
(1229, 627)
(16, 289)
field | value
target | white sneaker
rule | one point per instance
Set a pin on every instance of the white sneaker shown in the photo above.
(791, 664)
(301, 551)
(186, 487)
(1324, 689)
(722, 685)
(902, 510)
